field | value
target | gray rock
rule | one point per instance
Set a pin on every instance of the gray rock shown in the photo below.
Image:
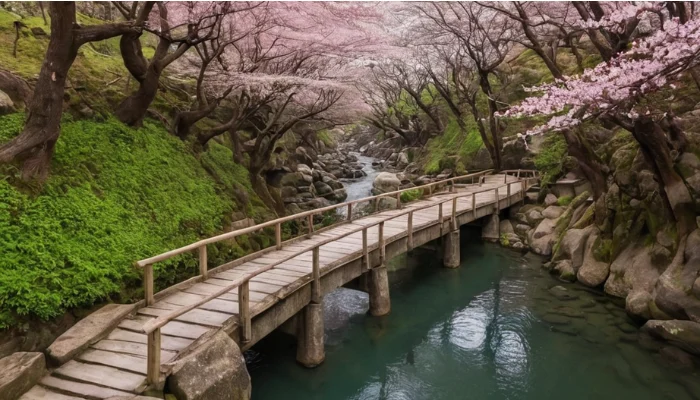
(7, 106)
(506, 227)
(683, 334)
(216, 370)
(592, 272)
(533, 217)
(562, 293)
(19, 372)
(664, 239)
(385, 182)
(572, 246)
(550, 199)
(322, 189)
(304, 169)
(288, 191)
(553, 212)
(402, 159)
(541, 239)
(565, 270)
(637, 305)
(37, 31)
(521, 229)
(87, 331)
(632, 270)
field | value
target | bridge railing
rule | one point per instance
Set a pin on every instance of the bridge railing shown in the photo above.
(152, 328)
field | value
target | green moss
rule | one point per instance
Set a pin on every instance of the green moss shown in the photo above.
(553, 159)
(326, 138)
(504, 240)
(564, 200)
(411, 195)
(454, 145)
(602, 250)
(115, 195)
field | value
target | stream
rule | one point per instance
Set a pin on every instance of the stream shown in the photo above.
(491, 329)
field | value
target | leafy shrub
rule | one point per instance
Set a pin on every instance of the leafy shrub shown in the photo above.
(411, 195)
(564, 200)
(553, 158)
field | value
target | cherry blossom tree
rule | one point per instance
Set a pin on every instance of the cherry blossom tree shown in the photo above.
(179, 26)
(616, 91)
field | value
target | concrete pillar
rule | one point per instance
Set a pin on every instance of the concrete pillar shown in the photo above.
(491, 229)
(379, 301)
(310, 351)
(450, 249)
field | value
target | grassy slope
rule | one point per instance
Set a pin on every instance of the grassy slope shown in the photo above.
(115, 194)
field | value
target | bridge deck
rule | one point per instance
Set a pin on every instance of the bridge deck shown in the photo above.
(117, 364)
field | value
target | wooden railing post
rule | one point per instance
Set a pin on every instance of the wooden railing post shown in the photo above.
(382, 249)
(409, 243)
(498, 200)
(365, 250)
(316, 274)
(148, 284)
(203, 270)
(454, 213)
(278, 236)
(508, 193)
(440, 218)
(474, 205)
(398, 200)
(452, 186)
(153, 357)
(350, 212)
(505, 177)
(244, 311)
(376, 204)
(481, 180)
(310, 222)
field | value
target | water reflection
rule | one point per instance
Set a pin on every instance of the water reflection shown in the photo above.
(489, 330)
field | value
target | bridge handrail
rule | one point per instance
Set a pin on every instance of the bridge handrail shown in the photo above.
(262, 225)
(160, 321)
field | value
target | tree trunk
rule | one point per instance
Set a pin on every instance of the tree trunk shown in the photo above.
(133, 109)
(493, 123)
(260, 188)
(654, 145)
(588, 162)
(34, 146)
(186, 119)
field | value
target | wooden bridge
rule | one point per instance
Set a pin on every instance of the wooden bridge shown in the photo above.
(251, 296)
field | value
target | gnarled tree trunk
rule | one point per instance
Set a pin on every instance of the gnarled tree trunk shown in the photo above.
(654, 146)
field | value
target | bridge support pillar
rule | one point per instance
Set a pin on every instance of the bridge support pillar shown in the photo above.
(450, 249)
(491, 229)
(310, 350)
(378, 285)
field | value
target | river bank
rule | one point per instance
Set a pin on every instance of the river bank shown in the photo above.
(497, 327)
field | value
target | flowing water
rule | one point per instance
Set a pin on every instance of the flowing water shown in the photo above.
(359, 188)
(491, 329)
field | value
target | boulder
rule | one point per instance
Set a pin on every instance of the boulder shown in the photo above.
(677, 358)
(322, 189)
(385, 182)
(7, 106)
(552, 212)
(632, 270)
(521, 229)
(674, 290)
(637, 305)
(572, 246)
(565, 270)
(288, 191)
(304, 169)
(402, 159)
(86, 332)
(592, 272)
(19, 372)
(533, 217)
(683, 334)
(37, 31)
(541, 239)
(550, 199)
(215, 370)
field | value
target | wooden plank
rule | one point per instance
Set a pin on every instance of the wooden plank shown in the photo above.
(196, 316)
(167, 342)
(100, 374)
(172, 328)
(117, 360)
(81, 389)
(136, 349)
(40, 393)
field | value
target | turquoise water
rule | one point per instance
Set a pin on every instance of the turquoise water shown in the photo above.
(488, 330)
